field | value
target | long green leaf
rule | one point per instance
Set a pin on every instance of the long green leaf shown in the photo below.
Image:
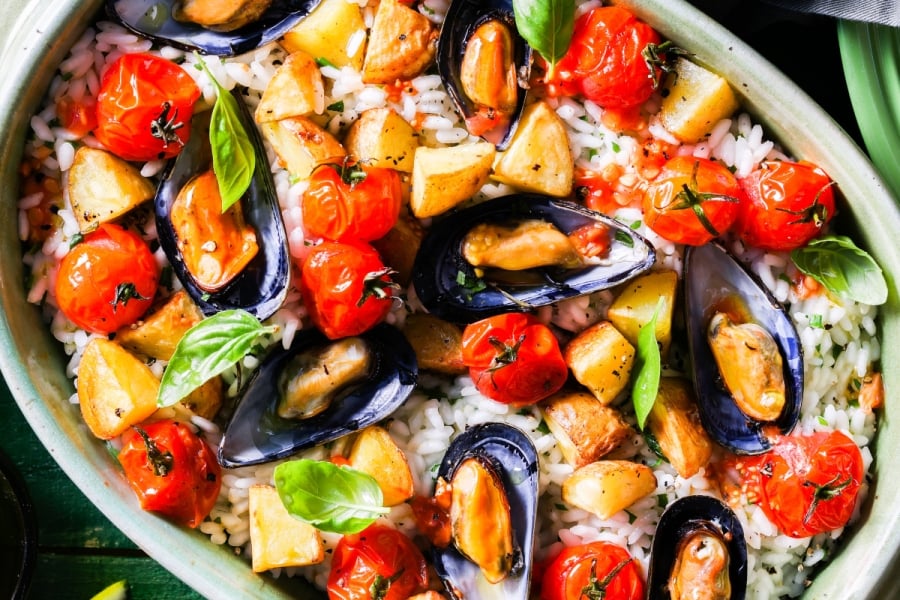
(844, 269)
(546, 25)
(210, 347)
(329, 497)
(648, 368)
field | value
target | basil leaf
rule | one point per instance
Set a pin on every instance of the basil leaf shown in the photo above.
(648, 366)
(329, 497)
(836, 262)
(232, 151)
(210, 347)
(547, 26)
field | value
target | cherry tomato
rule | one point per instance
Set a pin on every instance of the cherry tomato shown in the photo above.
(78, 116)
(513, 358)
(108, 280)
(692, 200)
(606, 60)
(351, 202)
(786, 205)
(379, 563)
(595, 570)
(172, 470)
(345, 287)
(144, 107)
(808, 484)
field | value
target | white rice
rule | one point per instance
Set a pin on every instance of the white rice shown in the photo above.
(841, 347)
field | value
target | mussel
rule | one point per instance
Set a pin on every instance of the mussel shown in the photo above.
(450, 286)
(223, 274)
(492, 472)
(271, 422)
(699, 551)
(745, 352)
(237, 27)
(484, 64)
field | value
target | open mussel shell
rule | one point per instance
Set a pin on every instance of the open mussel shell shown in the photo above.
(462, 20)
(262, 285)
(154, 19)
(443, 278)
(257, 434)
(684, 518)
(512, 456)
(713, 278)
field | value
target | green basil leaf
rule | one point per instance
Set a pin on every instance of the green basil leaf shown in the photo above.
(648, 366)
(210, 347)
(845, 270)
(232, 151)
(329, 497)
(546, 25)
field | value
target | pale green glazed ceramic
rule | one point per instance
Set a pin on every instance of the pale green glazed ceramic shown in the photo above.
(40, 31)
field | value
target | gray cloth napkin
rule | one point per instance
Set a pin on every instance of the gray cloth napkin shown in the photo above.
(885, 12)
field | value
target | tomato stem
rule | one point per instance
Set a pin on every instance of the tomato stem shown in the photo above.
(596, 588)
(815, 213)
(825, 491)
(162, 462)
(374, 285)
(691, 197)
(662, 57)
(163, 128)
(381, 585)
(125, 292)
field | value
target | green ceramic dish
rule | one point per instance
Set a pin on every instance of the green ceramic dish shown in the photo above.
(33, 364)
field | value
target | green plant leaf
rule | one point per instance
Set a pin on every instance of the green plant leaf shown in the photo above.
(843, 268)
(648, 366)
(210, 347)
(329, 497)
(232, 150)
(547, 26)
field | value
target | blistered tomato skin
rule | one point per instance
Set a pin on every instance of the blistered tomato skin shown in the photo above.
(144, 107)
(108, 280)
(172, 470)
(595, 570)
(786, 205)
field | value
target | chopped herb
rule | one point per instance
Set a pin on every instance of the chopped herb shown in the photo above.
(337, 106)
(636, 224)
(592, 152)
(324, 62)
(76, 239)
(471, 285)
(67, 75)
(560, 506)
(815, 321)
(822, 421)
(543, 427)
(165, 276)
(662, 500)
(624, 238)
(631, 517)
(616, 147)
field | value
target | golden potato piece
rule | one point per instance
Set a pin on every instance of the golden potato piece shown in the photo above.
(695, 101)
(103, 187)
(115, 389)
(382, 138)
(538, 158)
(206, 400)
(437, 343)
(301, 144)
(402, 43)
(608, 486)
(674, 421)
(278, 539)
(398, 248)
(158, 333)
(601, 358)
(334, 32)
(584, 428)
(634, 307)
(375, 452)
(296, 90)
(446, 177)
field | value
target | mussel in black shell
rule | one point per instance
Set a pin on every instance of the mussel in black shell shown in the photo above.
(246, 265)
(698, 551)
(746, 354)
(516, 253)
(484, 64)
(224, 28)
(302, 397)
(492, 474)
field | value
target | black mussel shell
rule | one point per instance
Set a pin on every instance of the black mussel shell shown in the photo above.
(463, 18)
(444, 280)
(257, 434)
(513, 457)
(153, 19)
(684, 517)
(712, 276)
(262, 286)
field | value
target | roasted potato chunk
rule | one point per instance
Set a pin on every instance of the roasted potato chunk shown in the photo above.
(296, 90)
(103, 187)
(158, 333)
(301, 144)
(334, 31)
(375, 452)
(608, 486)
(437, 343)
(674, 421)
(402, 43)
(278, 539)
(601, 359)
(115, 389)
(446, 177)
(382, 138)
(399, 247)
(584, 428)
(206, 400)
(695, 101)
(634, 307)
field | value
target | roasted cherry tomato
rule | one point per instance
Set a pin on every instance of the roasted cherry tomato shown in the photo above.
(808, 484)
(692, 200)
(144, 107)
(595, 570)
(78, 116)
(346, 288)
(172, 470)
(610, 60)
(107, 280)
(786, 205)
(379, 563)
(513, 358)
(351, 202)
